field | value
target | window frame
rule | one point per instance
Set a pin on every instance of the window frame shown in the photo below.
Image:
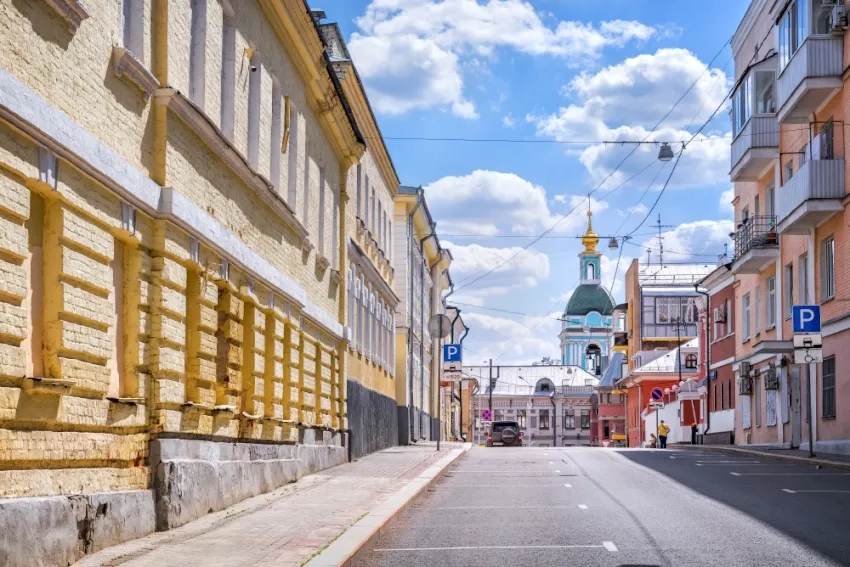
(828, 387)
(585, 423)
(827, 268)
(745, 319)
(569, 421)
(543, 413)
(770, 307)
(789, 294)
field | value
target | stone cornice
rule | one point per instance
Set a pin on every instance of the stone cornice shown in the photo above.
(72, 11)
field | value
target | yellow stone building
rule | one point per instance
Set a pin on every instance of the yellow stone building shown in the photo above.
(173, 233)
(368, 244)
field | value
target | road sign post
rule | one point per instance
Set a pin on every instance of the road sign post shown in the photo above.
(655, 396)
(808, 343)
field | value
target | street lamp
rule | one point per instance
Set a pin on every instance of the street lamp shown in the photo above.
(665, 153)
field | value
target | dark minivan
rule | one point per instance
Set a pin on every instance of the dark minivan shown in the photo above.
(505, 433)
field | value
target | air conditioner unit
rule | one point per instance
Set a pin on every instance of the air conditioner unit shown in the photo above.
(838, 19)
(771, 379)
(746, 368)
(720, 315)
(745, 386)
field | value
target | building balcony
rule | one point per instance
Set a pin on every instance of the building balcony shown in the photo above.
(755, 148)
(756, 245)
(810, 79)
(811, 197)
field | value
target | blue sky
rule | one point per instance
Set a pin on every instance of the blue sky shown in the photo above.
(549, 71)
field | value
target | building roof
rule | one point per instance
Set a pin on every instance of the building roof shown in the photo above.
(668, 362)
(590, 297)
(668, 275)
(523, 380)
(614, 372)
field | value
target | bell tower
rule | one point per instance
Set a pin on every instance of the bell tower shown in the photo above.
(590, 257)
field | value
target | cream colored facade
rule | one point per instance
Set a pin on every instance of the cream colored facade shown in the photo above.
(171, 255)
(422, 277)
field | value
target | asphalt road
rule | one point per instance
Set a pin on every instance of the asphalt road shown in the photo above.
(501, 507)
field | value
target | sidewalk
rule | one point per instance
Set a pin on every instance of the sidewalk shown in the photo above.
(289, 526)
(788, 455)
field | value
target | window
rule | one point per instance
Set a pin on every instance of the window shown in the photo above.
(789, 170)
(690, 361)
(132, 27)
(789, 293)
(745, 321)
(254, 102)
(544, 419)
(498, 415)
(757, 325)
(770, 201)
(359, 191)
(827, 268)
(228, 70)
(292, 126)
(334, 227)
(793, 30)
(757, 206)
(771, 302)
(828, 381)
(824, 143)
(320, 245)
(742, 106)
(569, 421)
(757, 400)
(585, 419)
(714, 399)
(520, 417)
(390, 239)
(730, 324)
(372, 217)
(351, 306)
(197, 51)
(365, 216)
(803, 274)
(765, 82)
(276, 136)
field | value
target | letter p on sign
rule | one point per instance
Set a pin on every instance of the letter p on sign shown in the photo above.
(806, 318)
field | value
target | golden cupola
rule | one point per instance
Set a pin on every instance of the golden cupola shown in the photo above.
(590, 238)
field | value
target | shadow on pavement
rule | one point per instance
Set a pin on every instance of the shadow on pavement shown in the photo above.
(819, 521)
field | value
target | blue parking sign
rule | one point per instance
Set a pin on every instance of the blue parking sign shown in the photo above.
(452, 353)
(806, 318)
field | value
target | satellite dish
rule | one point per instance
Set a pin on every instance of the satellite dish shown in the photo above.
(440, 326)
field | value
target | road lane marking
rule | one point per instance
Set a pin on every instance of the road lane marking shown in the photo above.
(609, 545)
(741, 465)
(498, 507)
(558, 471)
(482, 547)
(582, 506)
(568, 485)
(787, 474)
(750, 462)
(551, 462)
(823, 491)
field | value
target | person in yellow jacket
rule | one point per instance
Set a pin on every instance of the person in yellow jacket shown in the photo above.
(663, 430)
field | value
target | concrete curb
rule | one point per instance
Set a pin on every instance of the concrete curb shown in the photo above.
(359, 538)
(771, 456)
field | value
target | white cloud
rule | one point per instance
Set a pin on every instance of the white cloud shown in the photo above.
(638, 211)
(408, 51)
(520, 340)
(700, 241)
(622, 102)
(508, 121)
(726, 199)
(615, 274)
(470, 261)
(490, 202)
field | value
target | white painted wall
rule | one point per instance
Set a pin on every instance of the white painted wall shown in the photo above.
(722, 421)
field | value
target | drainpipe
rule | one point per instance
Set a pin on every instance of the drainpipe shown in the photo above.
(463, 336)
(707, 361)
(410, 233)
(422, 241)
(554, 420)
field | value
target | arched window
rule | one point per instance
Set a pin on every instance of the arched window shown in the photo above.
(591, 272)
(691, 361)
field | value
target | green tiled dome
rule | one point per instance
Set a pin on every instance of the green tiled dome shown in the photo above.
(590, 297)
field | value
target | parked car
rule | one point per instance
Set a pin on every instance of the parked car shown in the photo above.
(505, 433)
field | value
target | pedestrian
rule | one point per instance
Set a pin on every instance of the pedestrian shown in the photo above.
(694, 433)
(663, 430)
(653, 441)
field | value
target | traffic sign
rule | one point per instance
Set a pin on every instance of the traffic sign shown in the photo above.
(452, 375)
(656, 394)
(486, 415)
(452, 366)
(452, 353)
(808, 355)
(806, 318)
(656, 405)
